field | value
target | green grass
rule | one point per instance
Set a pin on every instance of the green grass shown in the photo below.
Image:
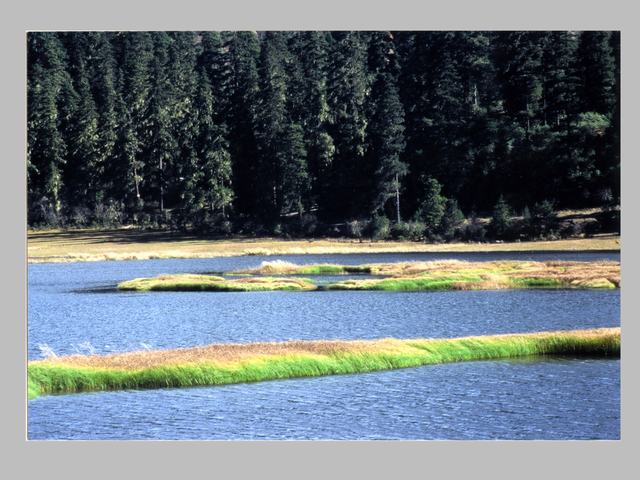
(333, 269)
(414, 284)
(55, 377)
(214, 283)
(402, 276)
(279, 267)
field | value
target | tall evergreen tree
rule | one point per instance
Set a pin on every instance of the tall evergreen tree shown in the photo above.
(243, 50)
(310, 108)
(385, 130)
(207, 187)
(47, 151)
(282, 167)
(135, 50)
(102, 76)
(347, 87)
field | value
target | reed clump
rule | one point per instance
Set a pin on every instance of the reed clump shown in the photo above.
(188, 282)
(239, 363)
(457, 274)
(281, 267)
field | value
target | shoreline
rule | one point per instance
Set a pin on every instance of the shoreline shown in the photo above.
(118, 245)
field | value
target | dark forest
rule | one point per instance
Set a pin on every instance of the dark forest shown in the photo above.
(409, 134)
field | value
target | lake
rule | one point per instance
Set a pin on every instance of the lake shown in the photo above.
(73, 308)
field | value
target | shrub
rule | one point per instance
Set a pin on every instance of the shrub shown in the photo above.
(356, 228)
(433, 205)
(474, 231)
(544, 221)
(408, 231)
(43, 213)
(501, 222)
(380, 227)
(80, 216)
(308, 224)
(109, 215)
(452, 220)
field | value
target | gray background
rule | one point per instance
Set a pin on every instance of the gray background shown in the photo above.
(494, 459)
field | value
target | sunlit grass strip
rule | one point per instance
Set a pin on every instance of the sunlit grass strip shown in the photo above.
(457, 282)
(134, 244)
(403, 276)
(187, 282)
(228, 364)
(461, 275)
(281, 267)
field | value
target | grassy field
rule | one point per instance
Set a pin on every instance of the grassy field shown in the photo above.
(227, 364)
(403, 276)
(131, 244)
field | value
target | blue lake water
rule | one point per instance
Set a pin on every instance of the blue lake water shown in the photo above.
(73, 309)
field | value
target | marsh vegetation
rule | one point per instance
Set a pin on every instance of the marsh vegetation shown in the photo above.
(226, 364)
(403, 276)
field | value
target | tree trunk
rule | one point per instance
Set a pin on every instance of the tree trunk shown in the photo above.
(397, 199)
(161, 188)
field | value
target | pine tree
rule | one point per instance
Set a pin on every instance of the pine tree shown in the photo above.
(207, 187)
(309, 106)
(84, 168)
(501, 217)
(216, 62)
(386, 125)
(47, 150)
(135, 51)
(282, 154)
(432, 206)
(161, 145)
(101, 71)
(347, 87)
(596, 68)
(243, 50)
(295, 177)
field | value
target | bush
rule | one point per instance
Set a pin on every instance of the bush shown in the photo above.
(308, 224)
(501, 222)
(474, 231)
(380, 227)
(408, 231)
(452, 220)
(574, 229)
(356, 228)
(544, 221)
(433, 205)
(109, 215)
(80, 217)
(610, 220)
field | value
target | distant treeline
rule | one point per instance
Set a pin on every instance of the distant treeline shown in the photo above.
(302, 132)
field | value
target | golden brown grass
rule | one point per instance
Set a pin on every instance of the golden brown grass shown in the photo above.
(457, 274)
(230, 353)
(191, 282)
(226, 364)
(130, 244)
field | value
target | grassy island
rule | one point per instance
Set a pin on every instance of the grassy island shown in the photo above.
(238, 363)
(186, 282)
(404, 276)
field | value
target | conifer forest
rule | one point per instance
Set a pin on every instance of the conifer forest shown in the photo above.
(351, 133)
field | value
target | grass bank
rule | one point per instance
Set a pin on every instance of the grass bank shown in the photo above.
(131, 244)
(239, 363)
(404, 276)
